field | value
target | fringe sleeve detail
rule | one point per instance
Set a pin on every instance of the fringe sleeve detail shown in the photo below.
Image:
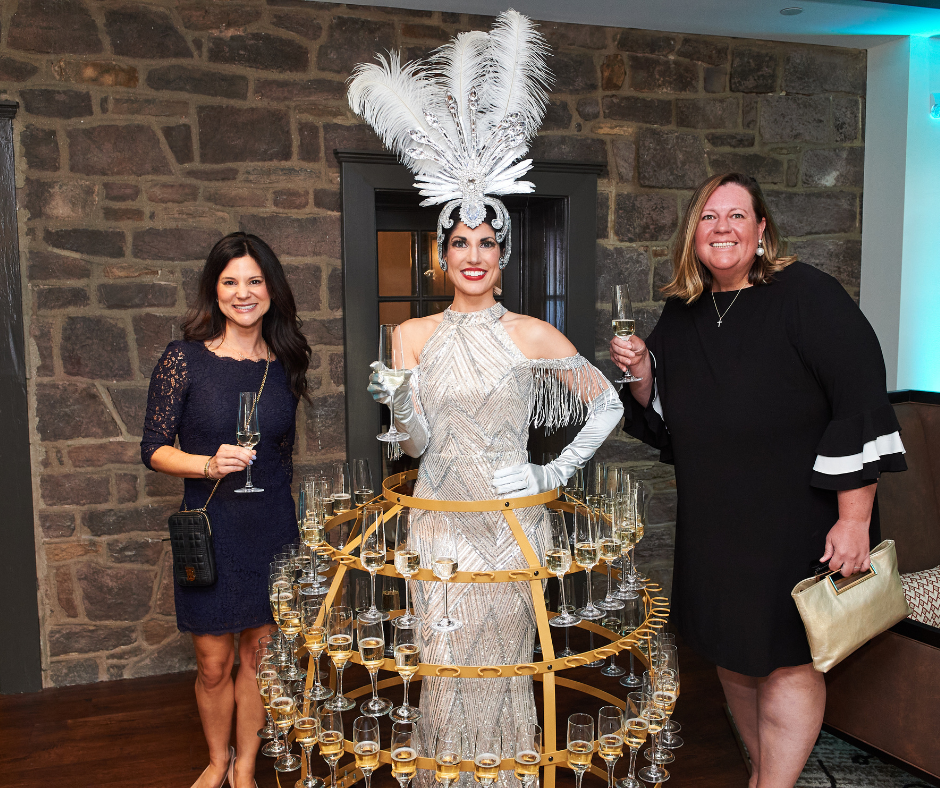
(566, 391)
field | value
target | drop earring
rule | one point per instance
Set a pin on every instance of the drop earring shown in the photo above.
(760, 247)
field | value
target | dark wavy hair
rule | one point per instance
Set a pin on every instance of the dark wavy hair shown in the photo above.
(280, 326)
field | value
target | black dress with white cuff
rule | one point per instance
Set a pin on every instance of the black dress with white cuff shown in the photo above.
(765, 417)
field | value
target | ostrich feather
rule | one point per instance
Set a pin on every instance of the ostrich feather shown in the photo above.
(461, 65)
(517, 79)
(393, 100)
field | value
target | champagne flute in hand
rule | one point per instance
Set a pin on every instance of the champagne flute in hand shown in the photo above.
(390, 354)
(404, 752)
(444, 567)
(528, 753)
(558, 561)
(366, 745)
(407, 659)
(580, 744)
(372, 654)
(248, 433)
(622, 322)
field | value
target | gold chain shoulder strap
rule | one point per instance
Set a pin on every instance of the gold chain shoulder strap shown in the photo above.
(263, 381)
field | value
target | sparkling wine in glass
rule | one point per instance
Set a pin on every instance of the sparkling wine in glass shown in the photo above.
(580, 744)
(247, 432)
(306, 734)
(558, 562)
(407, 561)
(342, 488)
(372, 653)
(610, 738)
(390, 354)
(587, 554)
(339, 647)
(528, 753)
(372, 553)
(635, 730)
(284, 712)
(444, 566)
(404, 752)
(363, 490)
(622, 322)
(315, 635)
(487, 755)
(407, 659)
(331, 739)
(366, 745)
(448, 754)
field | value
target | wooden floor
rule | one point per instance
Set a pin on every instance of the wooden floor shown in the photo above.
(143, 733)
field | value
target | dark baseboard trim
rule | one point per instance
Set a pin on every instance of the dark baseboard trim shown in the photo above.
(925, 777)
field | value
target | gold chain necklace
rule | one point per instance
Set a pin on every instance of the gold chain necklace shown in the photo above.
(267, 351)
(721, 316)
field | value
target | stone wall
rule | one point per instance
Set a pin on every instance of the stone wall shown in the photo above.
(147, 131)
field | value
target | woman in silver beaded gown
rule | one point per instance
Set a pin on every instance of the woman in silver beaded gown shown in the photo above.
(479, 375)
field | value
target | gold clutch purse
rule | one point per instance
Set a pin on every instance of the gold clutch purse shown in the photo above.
(842, 613)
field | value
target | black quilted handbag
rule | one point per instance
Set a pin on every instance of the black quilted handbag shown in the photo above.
(193, 553)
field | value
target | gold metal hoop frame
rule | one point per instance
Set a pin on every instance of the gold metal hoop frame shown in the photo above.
(655, 608)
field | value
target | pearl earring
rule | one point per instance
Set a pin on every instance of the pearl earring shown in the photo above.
(760, 247)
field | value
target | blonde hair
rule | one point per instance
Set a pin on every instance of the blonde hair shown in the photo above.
(690, 277)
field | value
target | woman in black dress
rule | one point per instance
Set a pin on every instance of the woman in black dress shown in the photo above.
(244, 318)
(765, 385)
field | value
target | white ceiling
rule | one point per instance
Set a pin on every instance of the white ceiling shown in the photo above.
(852, 23)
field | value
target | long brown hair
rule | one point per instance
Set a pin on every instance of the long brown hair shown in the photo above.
(690, 278)
(280, 326)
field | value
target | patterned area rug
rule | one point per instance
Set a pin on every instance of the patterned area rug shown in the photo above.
(837, 764)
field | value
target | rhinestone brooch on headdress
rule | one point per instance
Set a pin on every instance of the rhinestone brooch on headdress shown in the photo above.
(462, 120)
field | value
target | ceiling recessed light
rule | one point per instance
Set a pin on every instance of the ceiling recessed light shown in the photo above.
(793, 10)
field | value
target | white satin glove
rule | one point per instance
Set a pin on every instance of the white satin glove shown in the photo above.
(406, 419)
(528, 479)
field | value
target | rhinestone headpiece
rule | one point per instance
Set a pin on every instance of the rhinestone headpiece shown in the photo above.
(462, 120)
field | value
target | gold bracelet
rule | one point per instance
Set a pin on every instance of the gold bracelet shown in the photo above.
(205, 471)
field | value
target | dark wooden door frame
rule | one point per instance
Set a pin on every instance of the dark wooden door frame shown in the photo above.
(362, 173)
(21, 653)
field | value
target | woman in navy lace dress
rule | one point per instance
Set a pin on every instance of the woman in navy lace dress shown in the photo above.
(244, 318)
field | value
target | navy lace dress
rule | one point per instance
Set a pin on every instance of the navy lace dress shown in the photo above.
(194, 396)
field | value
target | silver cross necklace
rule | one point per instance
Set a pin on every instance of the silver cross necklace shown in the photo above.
(721, 316)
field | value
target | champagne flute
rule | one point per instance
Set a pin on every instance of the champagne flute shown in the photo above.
(407, 659)
(487, 755)
(444, 567)
(632, 616)
(289, 623)
(307, 733)
(622, 322)
(574, 487)
(609, 547)
(635, 730)
(587, 554)
(331, 739)
(404, 752)
(558, 562)
(372, 654)
(315, 640)
(580, 744)
(447, 755)
(339, 645)
(363, 491)
(668, 659)
(639, 501)
(610, 738)
(656, 716)
(247, 432)
(366, 745)
(342, 489)
(566, 584)
(624, 513)
(407, 561)
(528, 753)
(372, 553)
(266, 676)
(390, 354)
(284, 712)
(614, 622)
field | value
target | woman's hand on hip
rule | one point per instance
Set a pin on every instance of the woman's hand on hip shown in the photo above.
(631, 353)
(229, 459)
(847, 547)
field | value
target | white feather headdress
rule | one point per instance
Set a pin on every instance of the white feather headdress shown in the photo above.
(462, 120)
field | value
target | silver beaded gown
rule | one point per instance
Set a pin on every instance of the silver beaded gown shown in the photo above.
(478, 394)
